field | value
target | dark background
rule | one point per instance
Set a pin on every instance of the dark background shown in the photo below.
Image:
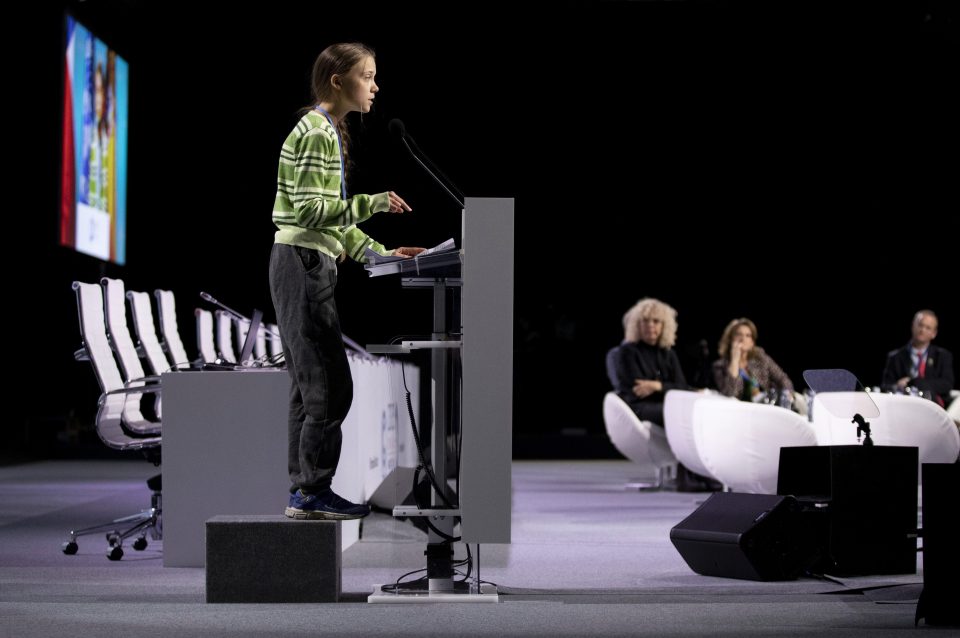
(793, 163)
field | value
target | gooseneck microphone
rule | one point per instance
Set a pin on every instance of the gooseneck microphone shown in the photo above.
(231, 311)
(399, 131)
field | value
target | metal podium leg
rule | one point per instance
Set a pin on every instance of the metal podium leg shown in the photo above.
(440, 553)
(439, 369)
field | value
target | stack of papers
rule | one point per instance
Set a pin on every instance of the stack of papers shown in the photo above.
(374, 257)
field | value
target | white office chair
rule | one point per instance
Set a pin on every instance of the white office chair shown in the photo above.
(118, 334)
(260, 345)
(172, 344)
(205, 340)
(904, 420)
(739, 442)
(640, 441)
(224, 332)
(110, 425)
(143, 325)
(240, 329)
(274, 343)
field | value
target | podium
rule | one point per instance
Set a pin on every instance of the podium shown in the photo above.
(471, 369)
(865, 501)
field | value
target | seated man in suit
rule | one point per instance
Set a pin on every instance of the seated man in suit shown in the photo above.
(921, 364)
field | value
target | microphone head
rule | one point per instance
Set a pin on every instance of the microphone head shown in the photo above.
(205, 296)
(397, 129)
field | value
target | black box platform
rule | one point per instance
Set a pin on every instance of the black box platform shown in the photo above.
(272, 559)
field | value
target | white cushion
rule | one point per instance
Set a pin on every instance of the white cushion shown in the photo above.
(678, 423)
(739, 442)
(903, 420)
(640, 441)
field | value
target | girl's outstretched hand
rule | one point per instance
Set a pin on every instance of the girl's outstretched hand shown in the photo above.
(397, 205)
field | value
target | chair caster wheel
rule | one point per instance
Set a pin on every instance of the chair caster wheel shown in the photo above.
(70, 548)
(115, 553)
(140, 544)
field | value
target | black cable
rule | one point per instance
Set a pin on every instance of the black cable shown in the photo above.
(416, 499)
(396, 586)
(424, 466)
(426, 519)
(469, 561)
(416, 439)
(399, 586)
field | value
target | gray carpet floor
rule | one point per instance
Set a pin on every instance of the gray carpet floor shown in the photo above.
(588, 558)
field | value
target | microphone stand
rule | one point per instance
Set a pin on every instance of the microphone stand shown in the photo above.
(236, 315)
(864, 428)
(436, 169)
(254, 326)
(459, 200)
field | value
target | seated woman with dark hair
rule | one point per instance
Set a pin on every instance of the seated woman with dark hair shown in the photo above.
(744, 370)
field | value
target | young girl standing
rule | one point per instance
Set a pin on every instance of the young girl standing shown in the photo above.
(316, 221)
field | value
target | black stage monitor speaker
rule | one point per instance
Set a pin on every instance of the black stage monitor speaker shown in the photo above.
(749, 536)
(867, 498)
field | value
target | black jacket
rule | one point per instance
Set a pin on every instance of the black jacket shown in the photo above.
(937, 378)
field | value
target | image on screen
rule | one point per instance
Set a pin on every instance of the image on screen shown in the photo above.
(93, 200)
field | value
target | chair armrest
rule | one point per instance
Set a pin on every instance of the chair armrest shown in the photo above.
(141, 389)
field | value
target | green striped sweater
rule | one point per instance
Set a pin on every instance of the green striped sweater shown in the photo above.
(308, 210)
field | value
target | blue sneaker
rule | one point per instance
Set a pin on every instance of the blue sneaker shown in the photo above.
(327, 506)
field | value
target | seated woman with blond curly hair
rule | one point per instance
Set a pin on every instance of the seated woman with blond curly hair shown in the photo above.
(744, 370)
(645, 365)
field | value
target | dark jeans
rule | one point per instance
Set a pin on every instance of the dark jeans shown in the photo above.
(302, 282)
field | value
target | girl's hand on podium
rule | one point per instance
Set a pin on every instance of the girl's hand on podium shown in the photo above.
(405, 251)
